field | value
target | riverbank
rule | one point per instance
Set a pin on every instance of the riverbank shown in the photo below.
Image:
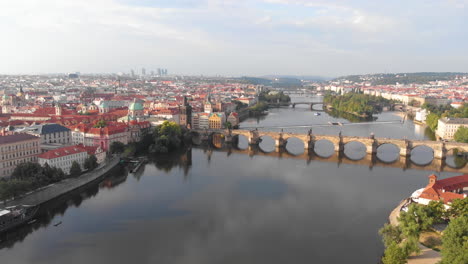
(427, 255)
(53, 191)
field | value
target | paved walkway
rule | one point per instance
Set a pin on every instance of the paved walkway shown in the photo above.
(427, 256)
(52, 191)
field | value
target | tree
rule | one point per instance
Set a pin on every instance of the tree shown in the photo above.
(228, 125)
(75, 169)
(436, 211)
(455, 242)
(432, 121)
(390, 234)
(417, 219)
(90, 162)
(394, 254)
(461, 135)
(459, 207)
(167, 137)
(100, 124)
(117, 147)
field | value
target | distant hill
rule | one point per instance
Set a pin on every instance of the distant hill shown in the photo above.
(402, 78)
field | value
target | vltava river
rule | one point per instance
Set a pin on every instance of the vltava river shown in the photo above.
(218, 206)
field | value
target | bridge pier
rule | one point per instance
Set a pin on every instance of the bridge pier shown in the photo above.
(440, 152)
(254, 139)
(280, 143)
(372, 148)
(405, 150)
(309, 144)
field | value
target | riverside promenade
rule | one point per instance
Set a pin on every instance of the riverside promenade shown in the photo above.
(63, 187)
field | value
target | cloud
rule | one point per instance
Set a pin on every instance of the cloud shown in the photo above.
(233, 37)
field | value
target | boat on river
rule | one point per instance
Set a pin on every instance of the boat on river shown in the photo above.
(316, 114)
(13, 216)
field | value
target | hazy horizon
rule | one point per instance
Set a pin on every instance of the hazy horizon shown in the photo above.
(233, 37)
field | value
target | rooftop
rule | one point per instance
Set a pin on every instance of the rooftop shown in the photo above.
(16, 138)
(61, 152)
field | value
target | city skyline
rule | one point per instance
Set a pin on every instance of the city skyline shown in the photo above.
(233, 38)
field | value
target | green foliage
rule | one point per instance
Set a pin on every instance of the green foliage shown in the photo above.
(75, 169)
(90, 163)
(461, 135)
(228, 125)
(459, 207)
(259, 107)
(394, 254)
(356, 103)
(279, 97)
(417, 219)
(100, 124)
(117, 147)
(29, 176)
(129, 151)
(432, 120)
(167, 137)
(390, 234)
(410, 245)
(437, 211)
(455, 242)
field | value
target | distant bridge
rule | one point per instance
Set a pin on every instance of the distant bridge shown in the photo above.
(310, 104)
(371, 143)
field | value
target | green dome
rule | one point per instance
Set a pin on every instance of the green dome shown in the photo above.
(135, 106)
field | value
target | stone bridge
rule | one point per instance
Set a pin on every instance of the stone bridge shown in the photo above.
(371, 161)
(371, 143)
(311, 104)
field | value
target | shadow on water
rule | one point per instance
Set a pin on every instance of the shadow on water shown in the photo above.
(183, 159)
(59, 206)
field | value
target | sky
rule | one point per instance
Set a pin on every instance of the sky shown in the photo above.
(233, 37)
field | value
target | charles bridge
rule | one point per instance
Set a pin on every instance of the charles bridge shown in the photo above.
(405, 146)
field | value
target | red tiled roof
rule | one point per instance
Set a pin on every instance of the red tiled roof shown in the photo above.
(441, 190)
(61, 152)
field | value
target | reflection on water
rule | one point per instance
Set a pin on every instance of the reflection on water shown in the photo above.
(228, 205)
(210, 205)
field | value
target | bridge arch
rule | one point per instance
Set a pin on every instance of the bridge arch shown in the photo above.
(422, 154)
(388, 152)
(294, 145)
(267, 143)
(324, 148)
(354, 150)
(195, 138)
(240, 141)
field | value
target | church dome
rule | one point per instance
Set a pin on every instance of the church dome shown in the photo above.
(135, 106)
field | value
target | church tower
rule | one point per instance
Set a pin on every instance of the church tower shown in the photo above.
(58, 109)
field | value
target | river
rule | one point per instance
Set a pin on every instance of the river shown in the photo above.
(215, 206)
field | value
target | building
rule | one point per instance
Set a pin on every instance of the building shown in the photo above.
(50, 133)
(203, 120)
(217, 120)
(64, 157)
(16, 149)
(447, 126)
(233, 118)
(444, 190)
(421, 116)
(88, 135)
(96, 151)
(185, 113)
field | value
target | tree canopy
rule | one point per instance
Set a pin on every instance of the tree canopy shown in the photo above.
(167, 137)
(75, 169)
(461, 135)
(455, 242)
(117, 147)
